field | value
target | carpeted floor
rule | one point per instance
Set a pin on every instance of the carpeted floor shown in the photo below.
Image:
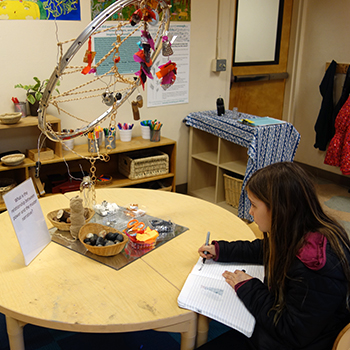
(336, 201)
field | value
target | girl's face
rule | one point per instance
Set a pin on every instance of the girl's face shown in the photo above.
(260, 213)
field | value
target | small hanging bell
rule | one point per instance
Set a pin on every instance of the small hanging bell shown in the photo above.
(166, 48)
(108, 98)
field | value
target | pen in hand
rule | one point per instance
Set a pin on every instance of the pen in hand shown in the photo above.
(206, 243)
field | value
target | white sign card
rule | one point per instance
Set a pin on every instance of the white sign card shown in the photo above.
(27, 219)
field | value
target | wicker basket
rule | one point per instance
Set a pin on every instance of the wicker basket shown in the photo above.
(140, 164)
(62, 226)
(101, 251)
(6, 185)
(108, 181)
(233, 188)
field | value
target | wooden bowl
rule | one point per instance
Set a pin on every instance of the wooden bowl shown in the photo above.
(101, 251)
(63, 226)
(10, 118)
(13, 159)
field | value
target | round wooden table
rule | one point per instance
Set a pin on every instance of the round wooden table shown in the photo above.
(64, 290)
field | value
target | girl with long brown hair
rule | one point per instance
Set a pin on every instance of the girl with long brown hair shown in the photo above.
(303, 302)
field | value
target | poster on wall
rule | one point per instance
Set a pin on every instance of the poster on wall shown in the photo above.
(180, 10)
(156, 95)
(67, 10)
(178, 92)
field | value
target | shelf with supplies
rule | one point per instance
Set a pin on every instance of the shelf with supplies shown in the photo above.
(64, 162)
(210, 157)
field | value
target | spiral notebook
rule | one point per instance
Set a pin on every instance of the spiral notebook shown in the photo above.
(206, 292)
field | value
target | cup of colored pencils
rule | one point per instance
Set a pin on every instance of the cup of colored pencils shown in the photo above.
(155, 131)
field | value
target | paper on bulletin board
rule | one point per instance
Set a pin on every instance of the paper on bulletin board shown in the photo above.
(27, 219)
(156, 96)
(178, 92)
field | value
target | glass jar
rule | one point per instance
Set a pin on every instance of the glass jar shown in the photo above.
(86, 192)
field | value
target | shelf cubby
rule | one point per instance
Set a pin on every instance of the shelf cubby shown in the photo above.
(210, 157)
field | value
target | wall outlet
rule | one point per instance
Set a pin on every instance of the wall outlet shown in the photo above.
(218, 65)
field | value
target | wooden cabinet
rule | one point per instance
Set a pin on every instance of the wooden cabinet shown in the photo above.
(210, 157)
(67, 162)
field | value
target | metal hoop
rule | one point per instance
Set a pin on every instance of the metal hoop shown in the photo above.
(73, 49)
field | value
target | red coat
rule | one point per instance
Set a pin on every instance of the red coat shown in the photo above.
(338, 152)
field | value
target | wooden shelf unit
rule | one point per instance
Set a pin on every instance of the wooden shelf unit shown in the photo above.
(210, 157)
(65, 161)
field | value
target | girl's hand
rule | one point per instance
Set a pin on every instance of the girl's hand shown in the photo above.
(232, 278)
(210, 249)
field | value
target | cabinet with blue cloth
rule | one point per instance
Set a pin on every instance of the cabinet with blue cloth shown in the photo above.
(222, 145)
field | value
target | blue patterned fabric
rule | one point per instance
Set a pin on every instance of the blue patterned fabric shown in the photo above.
(265, 144)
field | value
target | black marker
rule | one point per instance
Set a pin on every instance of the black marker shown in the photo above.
(206, 243)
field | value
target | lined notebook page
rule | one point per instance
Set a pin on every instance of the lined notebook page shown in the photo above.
(206, 292)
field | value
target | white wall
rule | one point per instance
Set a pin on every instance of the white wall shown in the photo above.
(28, 48)
(320, 34)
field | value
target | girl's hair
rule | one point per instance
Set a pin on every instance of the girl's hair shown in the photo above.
(289, 193)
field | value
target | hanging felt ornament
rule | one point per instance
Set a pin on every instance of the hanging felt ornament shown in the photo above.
(147, 52)
(149, 15)
(147, 38)
(145, 70)
(155, 21)
(167, 74)
(88, 58)
(166, 48)
(153, 4)
(136, 17)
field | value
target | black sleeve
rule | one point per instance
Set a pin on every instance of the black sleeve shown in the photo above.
(241, 251)
(312, 301)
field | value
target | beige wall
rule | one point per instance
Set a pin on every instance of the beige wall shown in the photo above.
(320, 31)
(319, 34)
(29, 49)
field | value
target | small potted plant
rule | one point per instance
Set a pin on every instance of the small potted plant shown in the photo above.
(35, 93)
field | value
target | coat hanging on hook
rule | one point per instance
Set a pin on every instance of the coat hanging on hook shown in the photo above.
(324, 126)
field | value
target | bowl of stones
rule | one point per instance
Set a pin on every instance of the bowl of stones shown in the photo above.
(102, 240)
(61, 218)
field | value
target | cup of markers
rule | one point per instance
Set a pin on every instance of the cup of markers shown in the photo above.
(155, 131)
(145, 129)
(95, 139)
(125, 131)
(110, 137)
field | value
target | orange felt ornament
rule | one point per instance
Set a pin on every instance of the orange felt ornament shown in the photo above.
(89, 56)
(166, 69)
